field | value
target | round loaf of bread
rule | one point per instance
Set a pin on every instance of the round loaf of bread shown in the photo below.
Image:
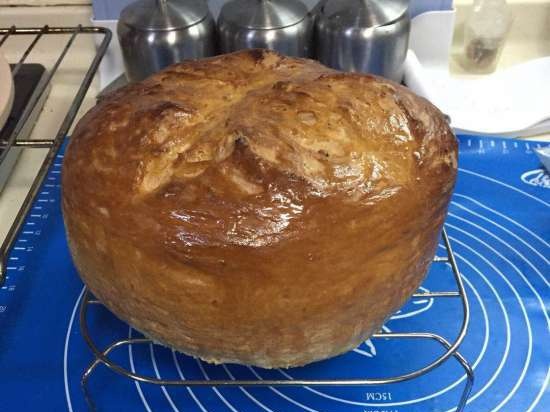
(255, 208)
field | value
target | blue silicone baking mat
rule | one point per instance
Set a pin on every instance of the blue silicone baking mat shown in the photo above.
(499, 226)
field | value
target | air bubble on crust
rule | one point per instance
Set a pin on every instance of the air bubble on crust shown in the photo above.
(240, 180)
(307, 117)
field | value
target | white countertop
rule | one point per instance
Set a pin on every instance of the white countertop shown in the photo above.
(526, 41)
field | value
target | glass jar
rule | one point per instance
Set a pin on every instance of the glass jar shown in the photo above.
(485, 32)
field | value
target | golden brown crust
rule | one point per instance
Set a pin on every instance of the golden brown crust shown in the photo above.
(255, 208)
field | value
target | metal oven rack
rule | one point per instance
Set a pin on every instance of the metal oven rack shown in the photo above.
(102, 356)
(54, 143)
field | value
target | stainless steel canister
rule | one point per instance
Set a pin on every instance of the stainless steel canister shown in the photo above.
(282, 25)
(369, 36)
(156, 33)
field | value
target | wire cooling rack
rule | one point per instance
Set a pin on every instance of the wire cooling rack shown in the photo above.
(53, 144)
(103, 356)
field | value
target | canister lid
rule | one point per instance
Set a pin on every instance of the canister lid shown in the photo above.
(263, 14)
(363, 13)
(152, 15)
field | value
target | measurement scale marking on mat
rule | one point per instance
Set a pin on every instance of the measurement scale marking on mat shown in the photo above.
(525, 147)
(29, 235)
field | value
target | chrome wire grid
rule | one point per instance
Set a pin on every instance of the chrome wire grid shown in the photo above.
(102, 356)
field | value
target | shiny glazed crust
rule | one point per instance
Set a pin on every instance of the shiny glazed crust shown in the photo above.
(255, 208)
